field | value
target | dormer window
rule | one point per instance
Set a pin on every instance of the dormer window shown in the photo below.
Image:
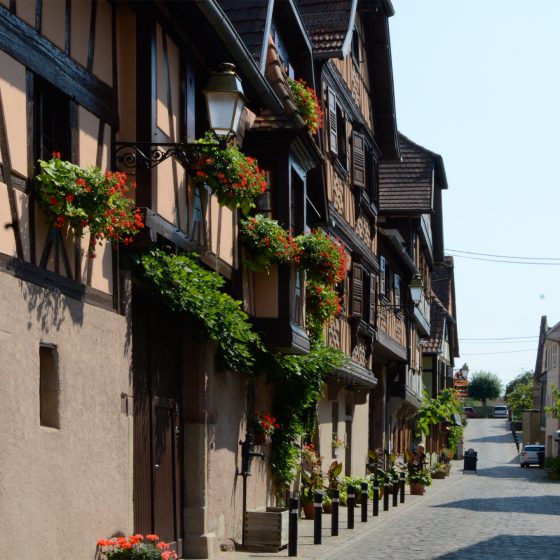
(356, 47)
(282, 52)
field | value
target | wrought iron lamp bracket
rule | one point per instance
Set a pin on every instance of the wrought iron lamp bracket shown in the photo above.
(129, 156)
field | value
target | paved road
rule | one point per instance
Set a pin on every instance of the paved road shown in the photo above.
(503, 512)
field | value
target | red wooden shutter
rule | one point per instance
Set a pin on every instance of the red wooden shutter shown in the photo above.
(333, 128)
(357, 290)
(372, 302)
(358, 160)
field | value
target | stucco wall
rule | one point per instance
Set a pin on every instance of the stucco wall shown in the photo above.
(360, 430)
(62, 489)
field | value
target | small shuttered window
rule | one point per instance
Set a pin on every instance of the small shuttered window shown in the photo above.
(371, 315)
(397, 288)
(357, 290)
(382, 266)
(333, 123)
(358, 160)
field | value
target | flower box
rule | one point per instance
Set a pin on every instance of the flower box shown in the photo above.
(266, 529)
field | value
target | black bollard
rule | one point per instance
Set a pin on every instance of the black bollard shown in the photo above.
(318, 521)
(402, 485)
(334, 514)
(386, 494)
(375, 498)
(395, 491)
(293, 530)
(351, 503)
(364, 498)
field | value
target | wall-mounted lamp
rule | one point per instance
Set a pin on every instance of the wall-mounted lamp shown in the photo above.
(225, 102)
(416, 289)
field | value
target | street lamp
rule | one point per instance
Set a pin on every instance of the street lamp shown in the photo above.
(224, 101)
(416, 290)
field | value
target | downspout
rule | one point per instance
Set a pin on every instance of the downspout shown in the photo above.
(241, 55)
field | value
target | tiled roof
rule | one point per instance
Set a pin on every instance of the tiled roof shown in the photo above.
(249, 19)
(327, 22)
(441, 283)
(408, 185)
(268, 121)
(437, 326)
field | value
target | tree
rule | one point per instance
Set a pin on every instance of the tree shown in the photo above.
(483, 386)
(519, 380)
(521, 396)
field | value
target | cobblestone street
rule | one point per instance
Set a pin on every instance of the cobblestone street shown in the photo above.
(502, 512)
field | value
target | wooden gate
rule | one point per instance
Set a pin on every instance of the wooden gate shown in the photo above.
(157, 438)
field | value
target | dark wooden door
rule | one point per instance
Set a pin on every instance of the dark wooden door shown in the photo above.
(157, 370)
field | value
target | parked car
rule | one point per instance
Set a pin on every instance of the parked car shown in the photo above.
(529, 455)
(469, 412)
(500, 411)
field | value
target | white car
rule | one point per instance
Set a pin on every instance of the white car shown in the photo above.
(529, 455)
(500, 411)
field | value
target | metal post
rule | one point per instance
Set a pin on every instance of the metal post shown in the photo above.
(403, 485)
(375, 498)
(395, 491)
(386, 494)
(293, 529)
(334, 514)
(364, 498)
(351, 503)
(318, 521)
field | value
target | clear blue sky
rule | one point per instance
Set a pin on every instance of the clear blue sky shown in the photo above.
(479, 83)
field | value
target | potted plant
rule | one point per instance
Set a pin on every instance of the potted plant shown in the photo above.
(336, 444)
(269, 242)
(263, 426)
(88, 199)
(438, 470)
(233, 177)
(333, 473)
(322, 257)
(135, 547)
(307, 104)
(311, 479)
(418, 480)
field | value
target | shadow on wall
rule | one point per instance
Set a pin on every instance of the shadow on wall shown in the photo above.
(514, 546)
(50, 307)
(540, 505)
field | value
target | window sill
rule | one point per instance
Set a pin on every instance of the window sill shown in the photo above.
(341, 171)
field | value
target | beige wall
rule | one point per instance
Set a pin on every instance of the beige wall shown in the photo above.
(62, 489)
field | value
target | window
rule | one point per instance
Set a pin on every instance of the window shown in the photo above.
(370, 299)
(264, 202)
(49, 386)
(384, 278)
(282, 52)
(397, 289)
(356, 47)
(53, 121)
(372, 176)
(337, 130)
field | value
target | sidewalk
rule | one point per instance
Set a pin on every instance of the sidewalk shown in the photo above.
(330, 545)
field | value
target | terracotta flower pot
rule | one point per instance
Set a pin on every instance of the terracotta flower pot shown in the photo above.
(417, 488)
(308, 510)
(327, 508)
(262, 439)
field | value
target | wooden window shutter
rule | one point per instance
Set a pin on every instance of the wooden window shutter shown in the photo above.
(357, 290)
(397, 284)
(382, 275)
(333, 128)
(358, 160)
(372, 302)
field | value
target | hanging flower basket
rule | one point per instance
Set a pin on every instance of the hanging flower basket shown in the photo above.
(234, 178)
(263, 426)
(307, 104)
(322, 306)
(322, 257)
(80, 198)
(269, 241)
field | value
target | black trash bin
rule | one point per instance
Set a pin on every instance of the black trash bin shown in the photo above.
(470, 459)
(540, 455)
